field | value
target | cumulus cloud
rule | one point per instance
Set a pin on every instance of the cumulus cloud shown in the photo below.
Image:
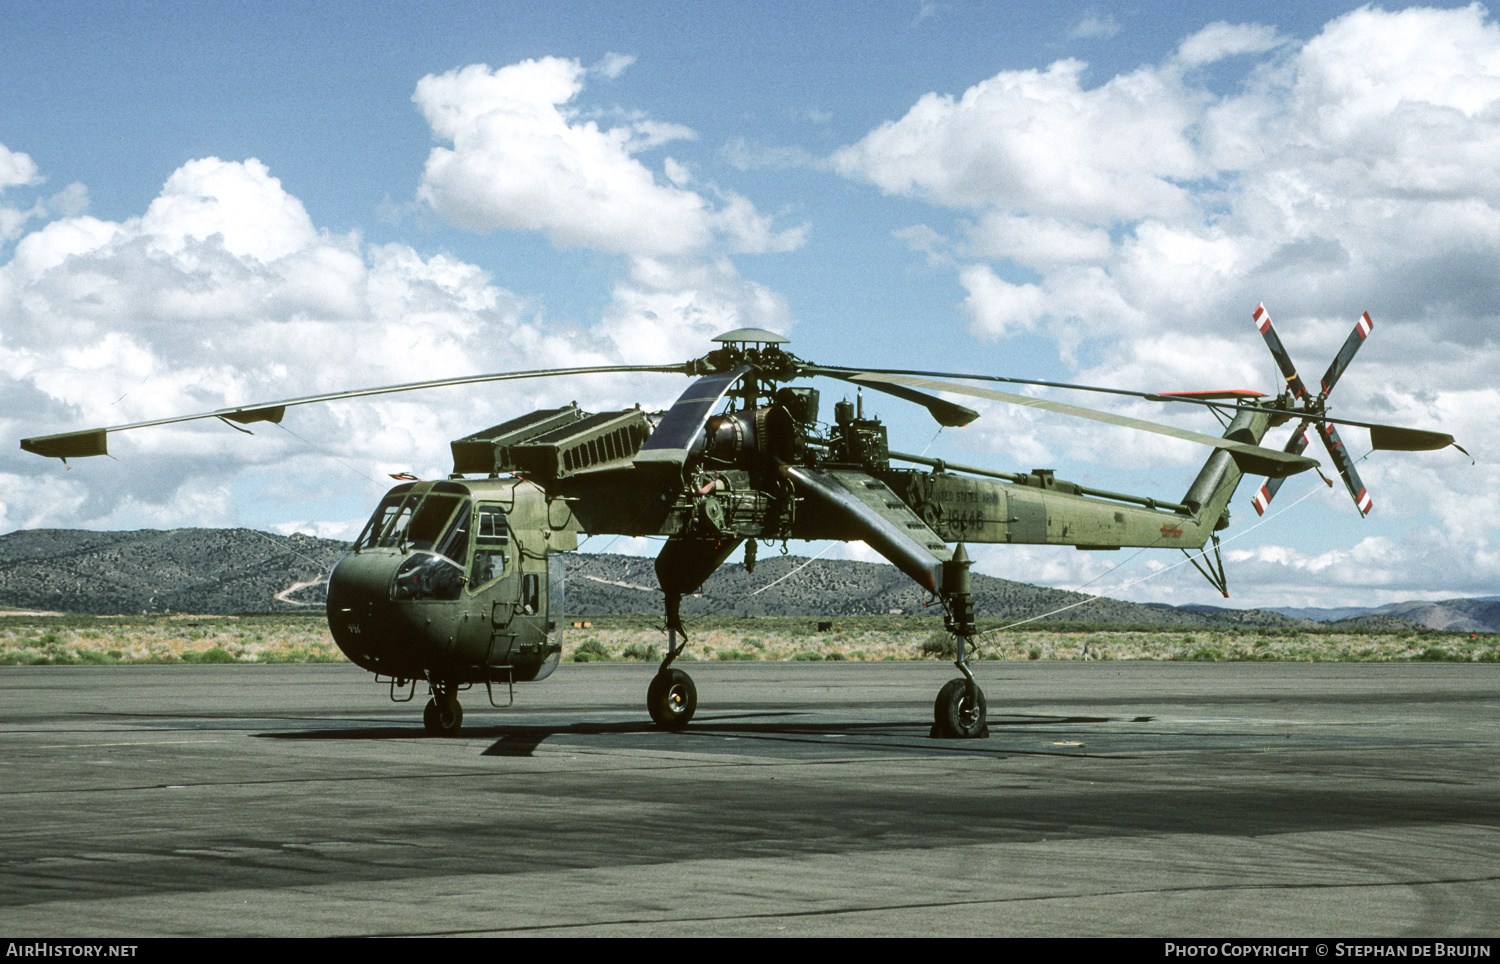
(16, 168)
(1095, 25)
(1355, 171)
(523, 157)
(1219, 40)
(1136, 222)
(224, 292)
(1037, 141)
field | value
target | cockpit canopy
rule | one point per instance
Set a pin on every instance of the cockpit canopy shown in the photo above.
(432, 522)
(421, 520)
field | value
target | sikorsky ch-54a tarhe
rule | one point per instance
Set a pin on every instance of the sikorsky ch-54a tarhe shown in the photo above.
(458, 582)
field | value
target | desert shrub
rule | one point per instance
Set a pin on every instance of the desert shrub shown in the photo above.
(590, 651)
(940, 644)
(642, 651)
(807, 657)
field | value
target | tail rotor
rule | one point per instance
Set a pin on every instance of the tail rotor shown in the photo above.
(1313, 406)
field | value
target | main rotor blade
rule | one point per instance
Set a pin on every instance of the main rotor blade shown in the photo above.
(839, 493)
(1251, 458)
(681, 429)
(93, 441)
(948, 414)
(1389, 437)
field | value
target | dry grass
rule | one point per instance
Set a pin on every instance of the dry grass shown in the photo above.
(302, 638)
(74, 640)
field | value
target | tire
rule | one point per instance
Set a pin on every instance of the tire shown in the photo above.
(953, 715)
(672, 699)
(443, 716)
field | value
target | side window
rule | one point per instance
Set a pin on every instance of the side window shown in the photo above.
(491, 546)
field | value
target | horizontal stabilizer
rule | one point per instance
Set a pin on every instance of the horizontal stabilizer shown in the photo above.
(1396, 439)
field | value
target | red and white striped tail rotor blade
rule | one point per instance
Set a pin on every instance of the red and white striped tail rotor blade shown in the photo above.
(1263, 496)
(1278, 351)
(1345, 465)
(1362, 329)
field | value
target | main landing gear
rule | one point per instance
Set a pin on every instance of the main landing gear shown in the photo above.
(672, 698)
(959, 711)
(443, 715)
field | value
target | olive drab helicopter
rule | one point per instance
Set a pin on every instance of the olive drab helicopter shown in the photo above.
(458, 582)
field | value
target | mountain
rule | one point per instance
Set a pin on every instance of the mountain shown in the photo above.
(1472, 615)
(836, 587)
(244, 570)
(182, 570)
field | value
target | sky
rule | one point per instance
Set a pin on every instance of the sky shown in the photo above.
(211, 205)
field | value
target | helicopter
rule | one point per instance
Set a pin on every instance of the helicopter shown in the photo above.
(458, 582)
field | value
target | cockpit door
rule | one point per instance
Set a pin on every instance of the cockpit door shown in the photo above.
(492, 576)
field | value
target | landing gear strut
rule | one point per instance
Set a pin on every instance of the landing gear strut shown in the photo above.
(443, 715)
(672, 698)
(959, 712)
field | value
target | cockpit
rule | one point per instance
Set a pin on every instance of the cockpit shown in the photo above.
(451, 544)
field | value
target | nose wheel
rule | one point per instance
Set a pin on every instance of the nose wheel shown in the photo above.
(672, 699)
(443, 715)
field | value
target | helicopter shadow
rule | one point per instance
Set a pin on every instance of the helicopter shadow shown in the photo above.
(772, 733)
(759, 734)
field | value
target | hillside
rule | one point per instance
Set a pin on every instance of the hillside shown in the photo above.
(181, 570)
(834, 587)
(221, 571)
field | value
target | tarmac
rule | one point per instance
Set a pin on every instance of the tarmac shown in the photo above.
(1167, 800)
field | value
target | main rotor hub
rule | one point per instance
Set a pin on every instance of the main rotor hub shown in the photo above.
(759, 350)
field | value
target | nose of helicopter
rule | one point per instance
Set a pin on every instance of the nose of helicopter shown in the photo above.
(364, 621)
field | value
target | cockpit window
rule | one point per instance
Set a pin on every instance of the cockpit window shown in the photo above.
(435, 569)
(408, 520)
(381, 520)
(430, 520)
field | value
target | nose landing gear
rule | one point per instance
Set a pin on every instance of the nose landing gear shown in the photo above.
(443, 715)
